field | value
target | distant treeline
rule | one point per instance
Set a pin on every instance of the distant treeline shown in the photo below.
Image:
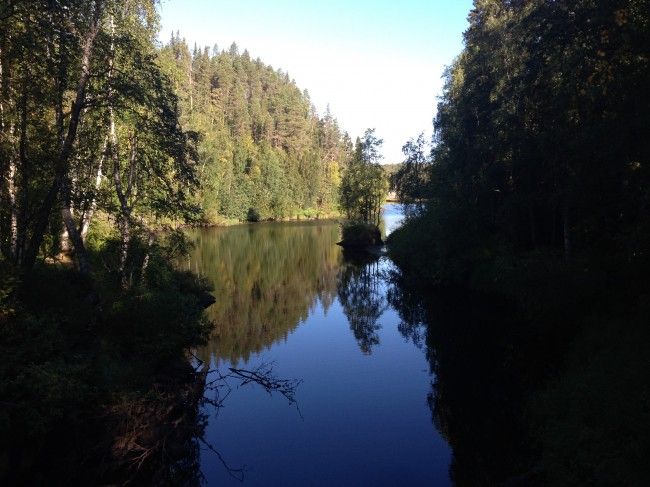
(264, 151)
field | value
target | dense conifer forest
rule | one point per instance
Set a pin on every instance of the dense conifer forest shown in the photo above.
(265, 153)
(541, 139)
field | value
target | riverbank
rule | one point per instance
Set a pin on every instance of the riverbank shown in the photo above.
(231, 222)
(97, 384)
(223, 222)
(566, 357)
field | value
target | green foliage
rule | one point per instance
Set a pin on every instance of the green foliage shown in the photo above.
(67, 359)
(414, 247)
(391, 170)
(175, 245)
(107, 135)
(42, 385)
(252, 215)
(262, 145)
(410, 180)
(155, 326)
(364, 185)
(8, 283)
(359, 234)
(538, 143)
(592, 422)
(538, 155)
(89, 123)
(101, 231)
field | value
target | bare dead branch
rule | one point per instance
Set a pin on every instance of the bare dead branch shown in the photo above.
(236, 473)
(263, 376)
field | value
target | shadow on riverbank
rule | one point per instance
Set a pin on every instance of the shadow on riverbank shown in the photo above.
(550, 388)
(100, 390)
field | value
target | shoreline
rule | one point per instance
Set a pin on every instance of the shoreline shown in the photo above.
(234, 223)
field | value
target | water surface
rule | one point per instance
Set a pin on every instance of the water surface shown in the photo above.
(286, 295)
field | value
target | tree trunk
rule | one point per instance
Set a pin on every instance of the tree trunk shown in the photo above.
(66, 243)
(567, 231)
(13, 230)
(125, 210)
(533, 226)
(88, 214)
(125, 240)
(122, 196)
(3, 93)
(61, 163)
(11, 173)
(80, 253)
(145, 262)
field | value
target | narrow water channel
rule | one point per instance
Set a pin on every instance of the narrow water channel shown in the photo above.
(287, 299)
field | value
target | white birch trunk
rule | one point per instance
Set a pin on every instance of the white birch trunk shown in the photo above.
(145, 262)
(88, 215)
(80, 254)
(13, 225)
(62, 162)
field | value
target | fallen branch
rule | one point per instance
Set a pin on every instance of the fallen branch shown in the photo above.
(263, 376)
(236, 473)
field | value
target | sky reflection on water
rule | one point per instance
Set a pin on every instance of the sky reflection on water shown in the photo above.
(285, 295)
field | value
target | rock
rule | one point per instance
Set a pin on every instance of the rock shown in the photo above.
(361, 236)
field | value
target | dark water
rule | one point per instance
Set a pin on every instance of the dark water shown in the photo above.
(363, 413)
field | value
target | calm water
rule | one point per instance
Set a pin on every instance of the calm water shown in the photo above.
(286, 295)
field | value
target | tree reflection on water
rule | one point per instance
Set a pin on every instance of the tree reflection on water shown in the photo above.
(267, 279)
(362, 296)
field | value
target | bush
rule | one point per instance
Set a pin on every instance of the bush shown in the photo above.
(253, 215)
(361, 235)
(67, 359)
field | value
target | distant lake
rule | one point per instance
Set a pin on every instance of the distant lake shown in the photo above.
(286, 296)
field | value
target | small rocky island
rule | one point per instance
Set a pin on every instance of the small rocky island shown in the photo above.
(362, 237)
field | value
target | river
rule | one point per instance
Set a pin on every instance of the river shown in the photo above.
(288, 300)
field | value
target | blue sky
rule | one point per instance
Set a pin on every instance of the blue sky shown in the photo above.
(377, 63)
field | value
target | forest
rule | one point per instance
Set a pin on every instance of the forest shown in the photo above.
(534, 197)
(520, 267)
(109, 142)
(135, 128)
(541, 140)
(264, 151)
